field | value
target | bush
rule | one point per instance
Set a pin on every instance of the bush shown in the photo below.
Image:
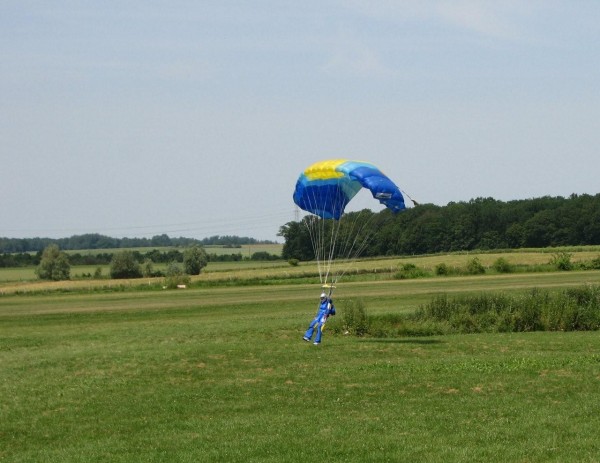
(408, 271)
(562, 261)
(594, 264)
(125, 265)
(475, 267)
(175, 276)
(54, 264)
(294, 262)
(148, 269)
(501, 265)
(442, 269)
(354, 319)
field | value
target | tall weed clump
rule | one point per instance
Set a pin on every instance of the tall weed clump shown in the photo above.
(409, 271)
(501, 265)
(594, 264)
(351, 319)
(175, 276)
(474, 267)
(468, 314)
(576, 309)
(562, 261)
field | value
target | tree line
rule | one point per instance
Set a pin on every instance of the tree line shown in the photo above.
(54, 265)
(98, 241)
(155, 256)
(478, 224)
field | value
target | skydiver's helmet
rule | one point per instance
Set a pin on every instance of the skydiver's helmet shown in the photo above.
(323, 296)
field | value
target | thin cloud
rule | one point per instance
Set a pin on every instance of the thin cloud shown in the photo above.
(491, 18)
(351, 57)
(500, 20)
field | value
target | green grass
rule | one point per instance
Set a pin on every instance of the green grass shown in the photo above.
(221, 374)
(17, 274)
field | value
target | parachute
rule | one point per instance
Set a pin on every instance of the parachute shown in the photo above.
(325, 189)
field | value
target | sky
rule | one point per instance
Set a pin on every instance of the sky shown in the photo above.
(195, 118)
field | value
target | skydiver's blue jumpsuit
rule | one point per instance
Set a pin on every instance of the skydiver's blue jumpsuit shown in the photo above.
(326, 309)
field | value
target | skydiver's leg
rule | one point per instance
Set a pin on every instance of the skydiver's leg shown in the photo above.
(309, 331)
(320, 327)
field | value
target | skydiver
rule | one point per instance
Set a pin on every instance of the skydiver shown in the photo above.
(326, 309)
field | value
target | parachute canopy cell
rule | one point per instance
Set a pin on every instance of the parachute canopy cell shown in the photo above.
(325, 188)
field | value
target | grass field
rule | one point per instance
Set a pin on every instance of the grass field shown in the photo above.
(221, 374)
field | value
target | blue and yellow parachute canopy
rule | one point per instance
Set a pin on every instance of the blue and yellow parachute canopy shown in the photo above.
(326, 187)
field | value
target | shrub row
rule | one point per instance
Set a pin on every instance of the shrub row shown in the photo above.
(559, 261)
(574, 309)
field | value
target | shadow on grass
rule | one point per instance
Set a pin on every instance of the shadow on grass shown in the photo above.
(402, 341)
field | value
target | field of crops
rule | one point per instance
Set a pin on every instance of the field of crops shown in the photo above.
(221, 374)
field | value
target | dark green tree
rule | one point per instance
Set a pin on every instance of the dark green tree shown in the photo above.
(297, 241)
(125, 265)
(194, 260)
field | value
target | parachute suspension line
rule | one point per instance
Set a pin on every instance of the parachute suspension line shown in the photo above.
(359, 245)
(316, 235)
(331, 241)
(357, 238)
(324, 256)
(343, 253)
(316, 238)
(322, 247)
(313, 239)
(408, 196)
(321, 251)
(335, 229)
(338, 243)
(350, 242)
